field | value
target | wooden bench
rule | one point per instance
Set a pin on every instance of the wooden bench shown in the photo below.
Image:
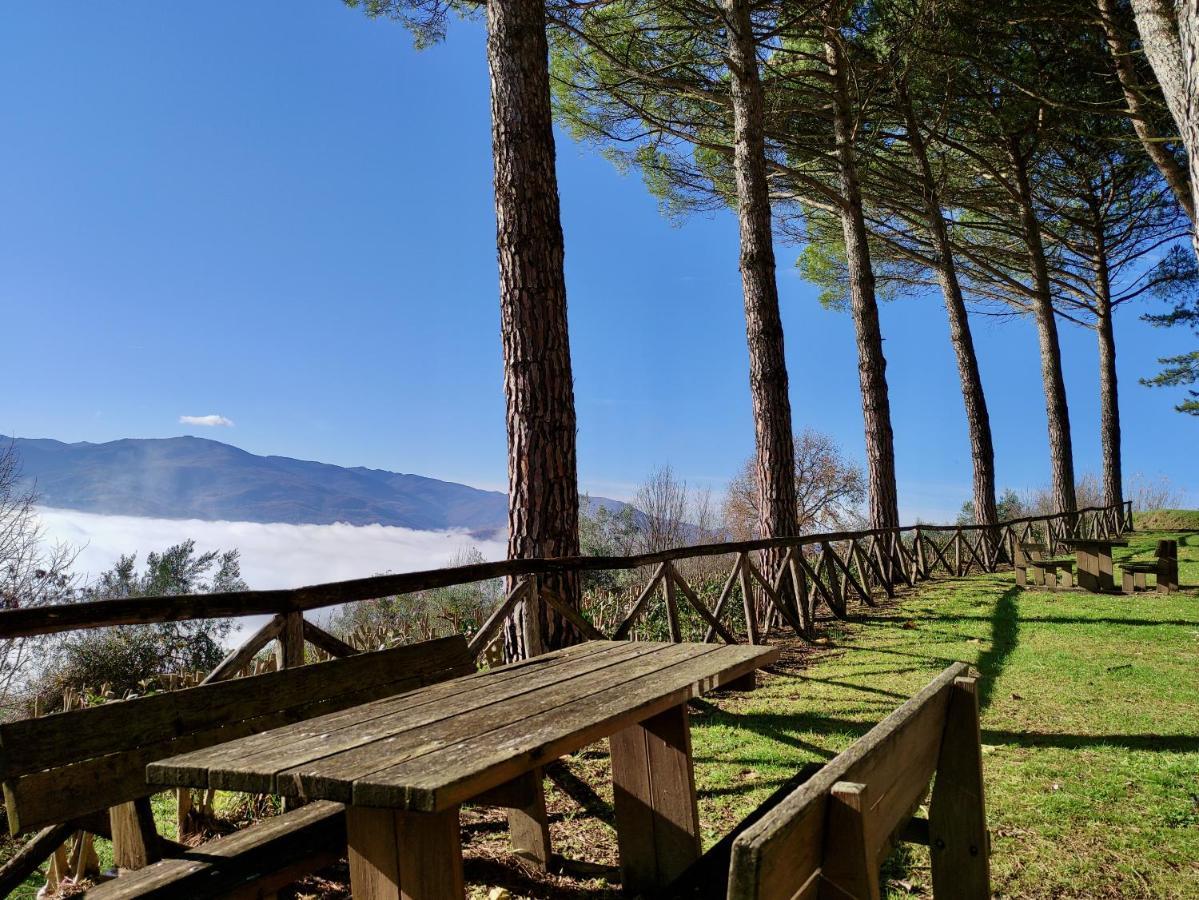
(829, 836)
(71, 767)
(1046, 572)
(1164, 567)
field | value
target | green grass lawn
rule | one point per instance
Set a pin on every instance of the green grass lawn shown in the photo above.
(1090, 727)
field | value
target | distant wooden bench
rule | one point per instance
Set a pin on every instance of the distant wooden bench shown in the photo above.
(1164, 567)
(70, 767)
(829, 836)
(1046, 572)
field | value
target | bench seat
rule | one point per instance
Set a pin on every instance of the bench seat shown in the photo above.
(827, 832)
(243, 864)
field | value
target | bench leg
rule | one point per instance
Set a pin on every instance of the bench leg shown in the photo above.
(1139, 582)
(1038, 576)
(1067, 578)
(528, 824)
(846, 866)
(135, 842)
(1128, 583)
(957, 816)
(1021, 576)
(657, 820)
(394, 855)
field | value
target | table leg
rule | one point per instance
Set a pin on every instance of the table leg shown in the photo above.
(528, 825)
(657, 819)
(1107, 579)
(1087, 570)
(394, 855)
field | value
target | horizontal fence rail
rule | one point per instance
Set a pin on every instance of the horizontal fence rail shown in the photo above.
(825, 567)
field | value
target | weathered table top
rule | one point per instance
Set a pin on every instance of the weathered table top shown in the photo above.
(433, 748)
(1096, 542)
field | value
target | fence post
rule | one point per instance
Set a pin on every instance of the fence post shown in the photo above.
(289, 652)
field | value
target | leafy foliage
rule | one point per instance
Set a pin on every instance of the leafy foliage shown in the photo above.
(128, 658)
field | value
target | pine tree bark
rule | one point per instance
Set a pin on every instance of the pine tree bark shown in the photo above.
(777, 506)
(872, 364)
(1174, 174)
(1188, 31)
(1109, 401)
(543, 495)
(978, 421)
(1061, 451)
(1158, 25)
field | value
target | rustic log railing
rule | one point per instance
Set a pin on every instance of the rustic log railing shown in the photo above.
(829, 569)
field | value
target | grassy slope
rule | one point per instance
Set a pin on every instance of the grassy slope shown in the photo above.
(1090, 727)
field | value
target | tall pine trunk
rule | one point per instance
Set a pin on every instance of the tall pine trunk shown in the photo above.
(1061, 451)
(777, 506)
(1109, 400)
(872, 365)
(1155, 148)
(1188, 31)
(978, 421)
(543, 494)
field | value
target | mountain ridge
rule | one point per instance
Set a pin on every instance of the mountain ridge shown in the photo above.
(191, 477)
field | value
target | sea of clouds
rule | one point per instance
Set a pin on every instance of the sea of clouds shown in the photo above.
(272, 555)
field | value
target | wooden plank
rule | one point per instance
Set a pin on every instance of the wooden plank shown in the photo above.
(653, 782)
(783, 850)
(430, 856)
(255, 861)
(626, 626)
(847, 868)
(957, 816)
(447, 775)
(47, 796)
(374, 853)
(30, 745)
(528, 822)
(714, 624)
(255, 763)
(135, 841)
(331, 644)
(244, 655)
(336, 774)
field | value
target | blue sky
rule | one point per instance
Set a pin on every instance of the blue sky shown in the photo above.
(282, 214)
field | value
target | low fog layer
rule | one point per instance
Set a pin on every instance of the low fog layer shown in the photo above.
(272, 556)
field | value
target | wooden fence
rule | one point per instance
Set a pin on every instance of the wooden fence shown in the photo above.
(836, 570)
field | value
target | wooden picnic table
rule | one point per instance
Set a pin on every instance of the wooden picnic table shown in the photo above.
(404, 764)
(1095, 568)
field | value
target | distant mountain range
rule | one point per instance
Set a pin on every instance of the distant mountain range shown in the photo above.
(197, 478)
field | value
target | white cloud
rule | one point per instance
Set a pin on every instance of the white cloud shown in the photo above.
(210, 421)
(272, 555)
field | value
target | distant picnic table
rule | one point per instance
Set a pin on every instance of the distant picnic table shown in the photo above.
(1095, 567)
(403, 765)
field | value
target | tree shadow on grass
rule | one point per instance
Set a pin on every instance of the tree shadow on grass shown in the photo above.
(1169, 743)
(1005, 635)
